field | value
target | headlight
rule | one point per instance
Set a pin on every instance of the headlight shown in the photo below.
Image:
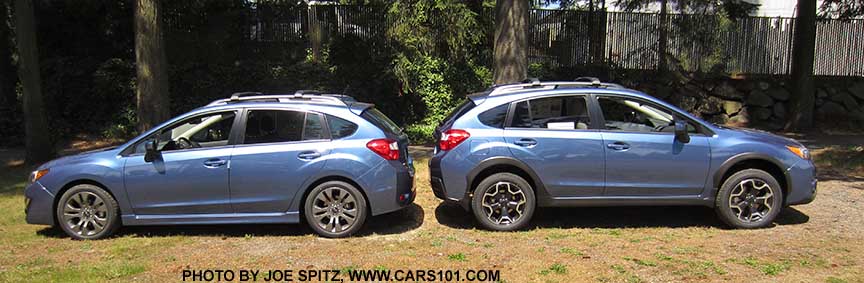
(36, 175)
(800, 151)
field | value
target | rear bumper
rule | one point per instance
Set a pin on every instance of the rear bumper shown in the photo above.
(390, 187)
(439, 186)
(39, 205)
(803, 182)
(436, 179)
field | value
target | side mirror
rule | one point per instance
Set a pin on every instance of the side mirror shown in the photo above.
(151, 152)
(681, 131)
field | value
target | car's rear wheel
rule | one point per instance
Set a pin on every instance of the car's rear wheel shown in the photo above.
(87, 212)
(749, 199)
(503, 202)
(335, 209)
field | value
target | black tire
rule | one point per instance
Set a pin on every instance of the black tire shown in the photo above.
(319, 220)
(734, 215)
(98, 208)
(486, 213)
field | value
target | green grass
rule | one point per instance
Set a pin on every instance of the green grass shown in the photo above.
(571, 251)
(122, 259)
(556, 268)
(85, 272)
(457, 257)
(642, 262)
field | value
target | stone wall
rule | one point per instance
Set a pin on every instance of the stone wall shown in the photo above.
(761, 102)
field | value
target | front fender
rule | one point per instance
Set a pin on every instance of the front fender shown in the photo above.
(109, 176)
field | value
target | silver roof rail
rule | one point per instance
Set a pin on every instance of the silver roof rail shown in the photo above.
(300, 95)
(537, 84)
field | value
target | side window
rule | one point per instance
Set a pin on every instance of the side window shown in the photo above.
(562, 113)
(521, 116)
(628, 115)
(340, 128)
(208, 130)
(269, 126)
(314, 129)
(494, 117)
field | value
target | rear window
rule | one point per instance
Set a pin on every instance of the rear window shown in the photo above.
(463, 108)
(494, 117)
(340, 128)
(381, 121)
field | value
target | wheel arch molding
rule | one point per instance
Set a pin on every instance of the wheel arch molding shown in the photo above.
(761, 160)
(498, 164)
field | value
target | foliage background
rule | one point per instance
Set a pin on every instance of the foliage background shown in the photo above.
(431, 54)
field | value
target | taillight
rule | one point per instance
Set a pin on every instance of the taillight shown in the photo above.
(387, 148)
(452, 138)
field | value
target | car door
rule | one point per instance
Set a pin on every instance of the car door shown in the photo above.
(554, 136)
(280, 150)
(187, 177)
(643, 157)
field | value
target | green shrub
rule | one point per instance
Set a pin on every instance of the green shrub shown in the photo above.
(420, 134)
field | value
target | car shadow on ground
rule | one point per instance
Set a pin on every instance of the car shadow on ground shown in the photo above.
(452, 215)
(397, 222)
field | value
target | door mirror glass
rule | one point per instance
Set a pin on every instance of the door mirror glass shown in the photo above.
(681, 131)
(150, 150)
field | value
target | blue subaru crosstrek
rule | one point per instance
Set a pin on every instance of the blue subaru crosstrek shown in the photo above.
(513, 148)
(251, 158)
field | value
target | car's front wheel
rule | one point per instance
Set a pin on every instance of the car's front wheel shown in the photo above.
(88, 212)
(503, 202)
(749, 199)
(335, 209)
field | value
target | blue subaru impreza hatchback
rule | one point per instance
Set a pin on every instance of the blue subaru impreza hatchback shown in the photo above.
(515, 147)
(252, 158)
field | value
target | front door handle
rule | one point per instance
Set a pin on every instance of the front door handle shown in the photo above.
(308, 155)
(526, 142)
(213, 163)
(618, 145)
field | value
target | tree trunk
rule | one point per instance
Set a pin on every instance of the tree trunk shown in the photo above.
(315, 33)
(8, 98)
(663, 36)
(37, 141)
(511, 41)
(803, 53)
(152, 92)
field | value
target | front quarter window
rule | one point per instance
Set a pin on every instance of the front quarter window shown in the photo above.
(630, 115)
(202, 131)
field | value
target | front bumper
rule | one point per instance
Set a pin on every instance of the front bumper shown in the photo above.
(39, 205)
(803, 183)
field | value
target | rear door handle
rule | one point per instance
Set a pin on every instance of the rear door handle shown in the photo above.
(308, 155)
(526, 142)
(618, 145)
(213, 163)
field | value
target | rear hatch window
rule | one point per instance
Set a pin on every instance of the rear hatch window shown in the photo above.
(381, 121)
(463, 108)
(390, 128)
(457, 112)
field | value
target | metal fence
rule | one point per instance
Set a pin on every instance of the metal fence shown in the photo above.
(564, 38)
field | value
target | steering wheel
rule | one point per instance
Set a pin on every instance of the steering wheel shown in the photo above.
(185, 143)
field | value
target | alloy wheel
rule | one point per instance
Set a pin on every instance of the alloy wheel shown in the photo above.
(504, 203)
(85, 214)
(334, 209)
(751, 200)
